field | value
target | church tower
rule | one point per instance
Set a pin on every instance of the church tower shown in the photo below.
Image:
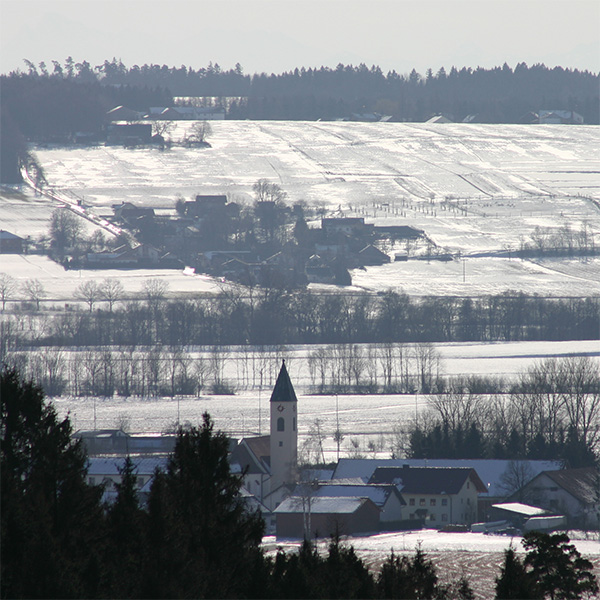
(284, 430)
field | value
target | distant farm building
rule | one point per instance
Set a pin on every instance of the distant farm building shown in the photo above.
(328, 516)
(122, 113)
(10, 243)
(561, 117)
(439, 119)
(129, 134)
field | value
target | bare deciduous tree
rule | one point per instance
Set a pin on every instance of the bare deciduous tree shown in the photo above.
(8, 288)
(111, 291)
(65, 229)
(35, 291)
(88, 292)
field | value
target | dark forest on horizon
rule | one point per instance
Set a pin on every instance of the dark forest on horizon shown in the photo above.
(49, 102)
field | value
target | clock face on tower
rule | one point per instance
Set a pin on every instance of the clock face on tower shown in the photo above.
(281, 408)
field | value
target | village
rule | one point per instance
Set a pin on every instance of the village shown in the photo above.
(366, 496)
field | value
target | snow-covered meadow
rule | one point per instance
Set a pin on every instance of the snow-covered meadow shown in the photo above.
(472, 188)
(362, 418)
(475, 555)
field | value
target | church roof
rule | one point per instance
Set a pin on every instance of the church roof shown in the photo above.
(283, 390)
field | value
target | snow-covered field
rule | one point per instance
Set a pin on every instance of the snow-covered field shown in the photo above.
(472, 188)
(363, 418)
(475, 555)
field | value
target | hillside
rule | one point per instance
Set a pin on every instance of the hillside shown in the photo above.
(483, 191)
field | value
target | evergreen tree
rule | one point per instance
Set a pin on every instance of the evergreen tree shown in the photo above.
(515, 583)
(51, 519)
(557, 567)
(203, 541)
(126, 537)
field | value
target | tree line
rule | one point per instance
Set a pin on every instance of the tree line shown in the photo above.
(496, 95)
(259, 316)
(194, 536)
(48, 103)
(551, 413)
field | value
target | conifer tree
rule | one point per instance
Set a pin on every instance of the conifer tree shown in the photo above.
(515, 583)
(51, 519)
(561, 573)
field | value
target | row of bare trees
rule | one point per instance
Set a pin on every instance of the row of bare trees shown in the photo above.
(391, 368)
(552, 412)
(268, 316)
(146, 371)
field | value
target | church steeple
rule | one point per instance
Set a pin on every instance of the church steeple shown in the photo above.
(283, 390)
(284, 430)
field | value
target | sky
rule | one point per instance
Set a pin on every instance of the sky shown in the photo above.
(277, 35)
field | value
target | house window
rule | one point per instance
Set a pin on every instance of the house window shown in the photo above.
(468, 485)
(281, 444)
(444, 501)
(432, 517)
(422, 502)
(280, 424)
(412, 516)
(432, 502)
(92, 481)
(140, 481)
(444, 516)
(411, 502)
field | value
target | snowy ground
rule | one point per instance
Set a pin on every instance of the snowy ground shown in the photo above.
(472, 188)
(373, 418)
(475, 555)
(60, 284)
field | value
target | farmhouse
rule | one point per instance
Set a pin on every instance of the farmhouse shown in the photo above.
(572, 492)
(438, 496)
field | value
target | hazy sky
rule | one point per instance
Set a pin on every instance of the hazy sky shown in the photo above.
(276, 35)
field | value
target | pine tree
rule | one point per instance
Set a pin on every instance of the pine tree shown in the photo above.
(203, 540)
(515, 583)
(51, 519)
(557, 567)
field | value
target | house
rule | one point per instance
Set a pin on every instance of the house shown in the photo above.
(398, 232)
(128, 211)
(128, 134)
(572, 492)
(107, 472)
(439, 119)
(318, 271)
(438, 496)
(116, 441)
(10, 243)
(122, 113)
(124, 257)
(562, 117)
(298, 517)
(349, 226)
(385, 496)
(253, 457)
(371, 256)
(205, 205)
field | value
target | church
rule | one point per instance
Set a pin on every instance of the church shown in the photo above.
(270, 461)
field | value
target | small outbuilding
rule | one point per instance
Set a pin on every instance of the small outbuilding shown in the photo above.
(10, 243)
(325, 516)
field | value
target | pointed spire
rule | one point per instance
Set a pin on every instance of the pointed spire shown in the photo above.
(283, 390)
